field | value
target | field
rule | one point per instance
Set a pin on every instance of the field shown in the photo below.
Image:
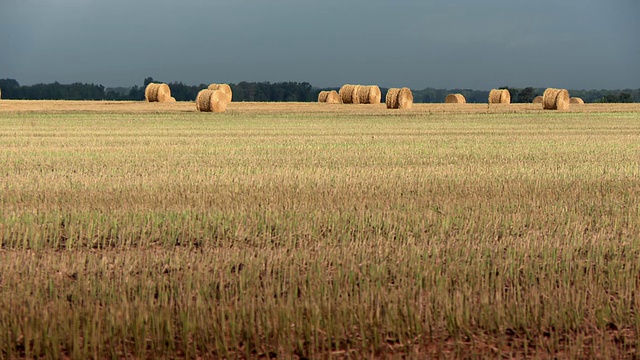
(136, 230)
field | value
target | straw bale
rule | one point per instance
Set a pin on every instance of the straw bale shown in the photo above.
(399, 98)
(333, 97)
(346, 93)
(171, 99)
(218, 101)
(455, 99)
(392, 98)
(537, 100)
(226, 89)
(369, 94)
(556, 99)
(322, 96)
(499, 96)
(576, 100)
(203, 100)
(164, 93)
(405, 99)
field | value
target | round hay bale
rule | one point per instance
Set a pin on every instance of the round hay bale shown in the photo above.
(226, 89)
(405, 99)
(455, 99)
(576, 101)
(218, 101)
(203, 100)
(164, 93)
(322, 96)
(171, 100)
(499, 96)
(333, 97)
(369, 94)
(355, 94)
(556, 99)
(151, 92)
(346, 93)
(537, 100)
(392, 98)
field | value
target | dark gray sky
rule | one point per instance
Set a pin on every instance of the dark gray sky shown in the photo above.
(576, 44)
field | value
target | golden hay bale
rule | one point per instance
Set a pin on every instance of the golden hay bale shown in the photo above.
(164, 93)
(405, 98)
(537, 100)
(218, 101)
(499, 96)
(226, 89)
(171, 100)
(203, 100)
(355, 94)
(576, 100)
(392, 98)
(211, 101)
(151, 92)
(333, 97)
(369, 94)
(556, 99)
(455, 99)
(346, 93)
(399, 98)
(322, 96)
(157, 93)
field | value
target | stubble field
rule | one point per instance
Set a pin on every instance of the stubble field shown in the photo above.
(318, 231)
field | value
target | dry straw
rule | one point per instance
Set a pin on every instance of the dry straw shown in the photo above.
(399, 98)
(556, 99)
(212, 101)
(455, 99)
(499, 96)
(157, 93)
(576, 100)
(537, 100)
(225, 88)
(322, 96)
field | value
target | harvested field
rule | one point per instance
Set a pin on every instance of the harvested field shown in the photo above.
(137, 230)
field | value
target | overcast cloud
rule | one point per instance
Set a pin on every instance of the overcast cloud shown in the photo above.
(576, 44)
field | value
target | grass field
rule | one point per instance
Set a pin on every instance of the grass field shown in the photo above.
(318, 231)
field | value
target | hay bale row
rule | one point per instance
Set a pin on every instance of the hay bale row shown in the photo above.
(329, 97)
(499, 96)
(360, 94)
(537, 100)
(399, 98)
(576, 101)
(225, 88)
(212, 101)
(158, 93)
(455, 99)
(555, 99)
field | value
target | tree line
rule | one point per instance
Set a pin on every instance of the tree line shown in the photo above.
(279, 91)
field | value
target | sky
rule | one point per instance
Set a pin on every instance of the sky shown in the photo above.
(468, 44)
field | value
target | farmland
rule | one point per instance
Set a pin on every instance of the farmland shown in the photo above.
(300, 230)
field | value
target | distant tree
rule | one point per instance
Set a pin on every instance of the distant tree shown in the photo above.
(526, 95)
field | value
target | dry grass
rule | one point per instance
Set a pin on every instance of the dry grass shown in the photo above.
(303, 230)
(499, 96)
(455, 99)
